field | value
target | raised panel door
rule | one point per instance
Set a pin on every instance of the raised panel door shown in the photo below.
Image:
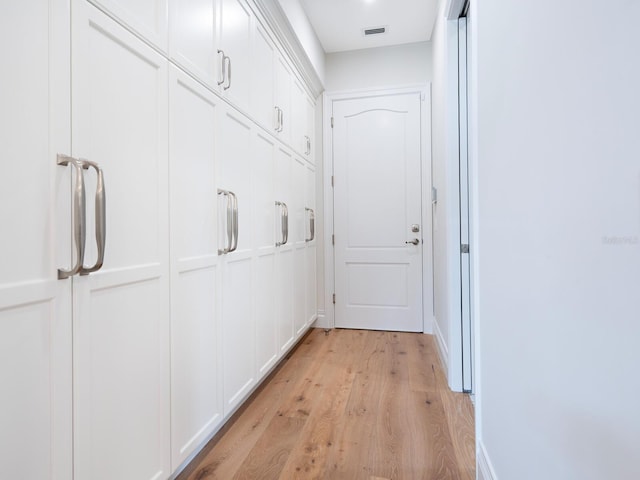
(262, 78)
(238, 321)
(121, 313)
(264, 241)
(148, 18)
(35, 307)
(196, 362)
(299, 117)
(192, 38)
(310, 111)
(310, 239)
(234, 39)
(284, 255)
(283, 99)
(297, 213)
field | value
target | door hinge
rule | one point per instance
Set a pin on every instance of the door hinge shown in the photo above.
(332, 181)
(331, 122)
(333, 239)
(464, 248)
(334, 298)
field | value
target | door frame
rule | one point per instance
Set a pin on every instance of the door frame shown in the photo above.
(427, 218)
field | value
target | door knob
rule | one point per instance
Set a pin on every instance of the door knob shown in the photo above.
(415, 241)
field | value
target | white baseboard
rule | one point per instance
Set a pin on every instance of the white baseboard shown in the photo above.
(321, 321)
(443, 351)
(485, 469)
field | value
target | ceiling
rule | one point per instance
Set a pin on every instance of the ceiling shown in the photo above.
(339, 24)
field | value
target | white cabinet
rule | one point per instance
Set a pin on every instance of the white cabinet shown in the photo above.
(234, 47)
(264, 237)
(196, 341)
(282, 110)
(309, 135)
(310, 239)
(124, 372)
(148, 18)
(298, 244)
(284, 255)
(192, 38)
(121, 313)
(298, 116)
(35, 307)
(235, 202)
(262, 78)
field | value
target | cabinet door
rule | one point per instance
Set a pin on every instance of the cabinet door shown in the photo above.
(196, 387)
(192, 38)
(262, 78)
(148, 18)
(264, 238)
(310, 253)
(284, 256)
(35, 307)
(298, 245)
(311, 129)
(234, 35)
(299, 117)
(121, 313)
(283, 98)
(238, 326)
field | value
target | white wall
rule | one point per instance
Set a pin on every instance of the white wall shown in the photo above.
(558, 225)
(306, 34)
(446, 229)
(379, 67)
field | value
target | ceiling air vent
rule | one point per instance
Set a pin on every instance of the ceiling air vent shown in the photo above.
(374, 31)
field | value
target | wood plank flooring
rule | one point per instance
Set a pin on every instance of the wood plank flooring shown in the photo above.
(351, 405)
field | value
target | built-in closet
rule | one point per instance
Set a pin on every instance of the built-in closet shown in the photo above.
(158, 245)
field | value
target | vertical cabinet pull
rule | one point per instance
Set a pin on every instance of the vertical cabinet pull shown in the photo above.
(308, 145)
(101, 217)
(223, 72)
(284, 223)
(234, 213)
(79, 216)
(279, 119)
(231, 243)
(312, 224)
(228, 63)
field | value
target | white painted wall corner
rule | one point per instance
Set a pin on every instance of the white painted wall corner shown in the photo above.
(484, 466)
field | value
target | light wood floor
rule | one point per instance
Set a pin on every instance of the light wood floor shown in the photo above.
(350, 405)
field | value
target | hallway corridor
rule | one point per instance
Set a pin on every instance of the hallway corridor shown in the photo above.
(350, 405)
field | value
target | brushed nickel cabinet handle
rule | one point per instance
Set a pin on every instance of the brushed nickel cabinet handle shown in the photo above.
(101, 217)
(79, 216)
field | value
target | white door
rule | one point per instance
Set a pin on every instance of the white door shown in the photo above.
(121, 313)
(377, 213)
(264, 211)
(310, 240)
(35, 193)
(192, 38)
(196, 363)
(262, 77)
(238, 323)
(297, 231)
(284, 255)
(234, 34)
(282, 114)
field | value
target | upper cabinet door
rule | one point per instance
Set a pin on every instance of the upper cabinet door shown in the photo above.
(192, 42)
(148, 18)
(311, 127)
(282, 117)
(262, 78)
(299, 114)
(35, 194)
(234, 45)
